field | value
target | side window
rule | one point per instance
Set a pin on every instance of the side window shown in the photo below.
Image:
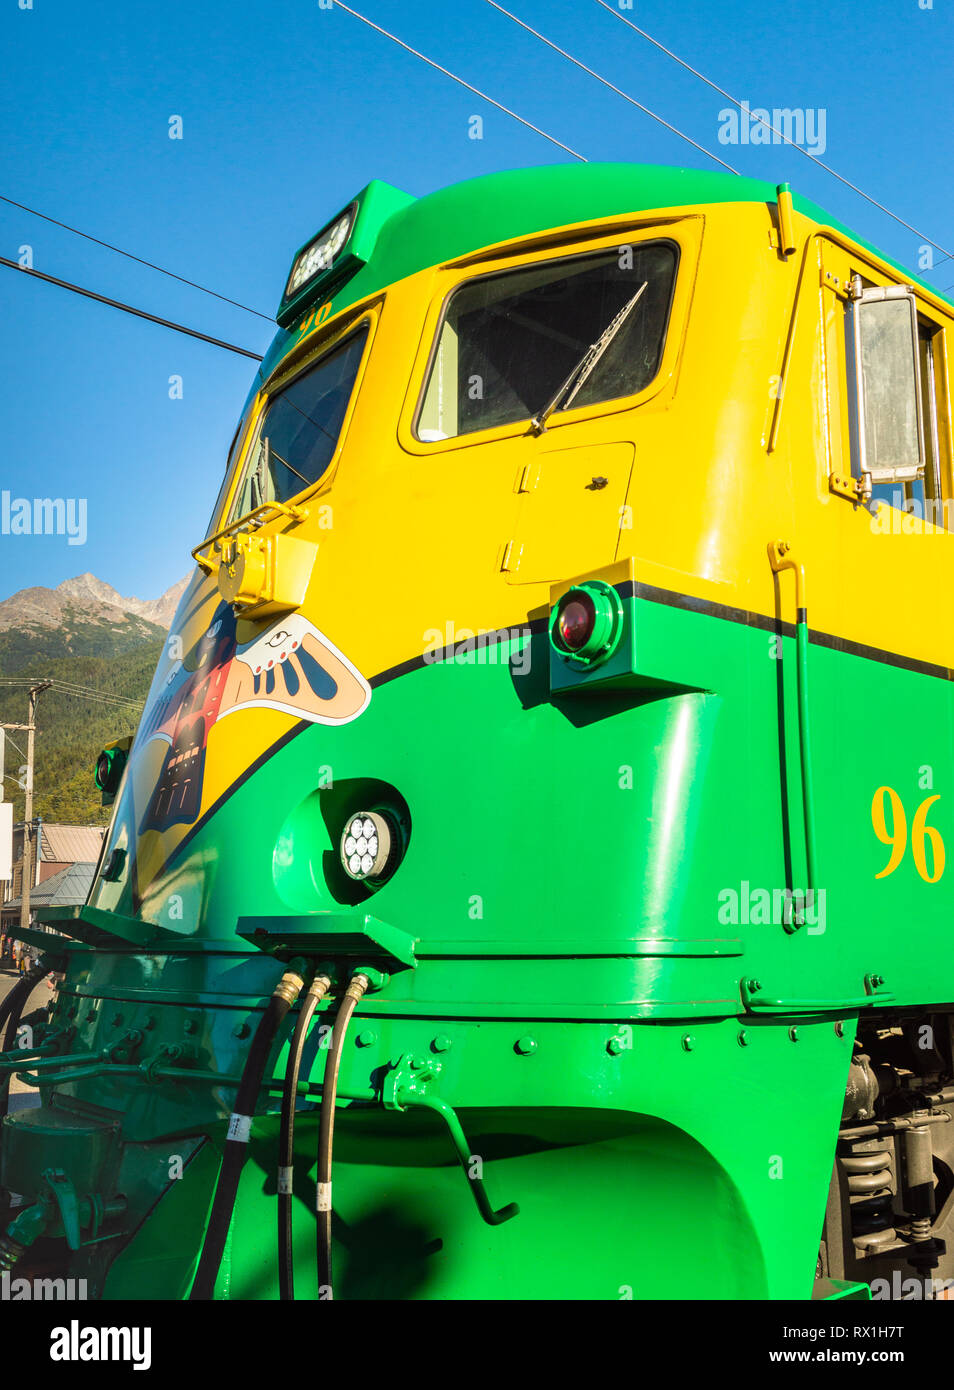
(887, 375)
(937, 480)
(898, 414)
(299, 429)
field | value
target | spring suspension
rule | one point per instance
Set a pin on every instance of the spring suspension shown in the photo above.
(868, 1166)
(925, 1249)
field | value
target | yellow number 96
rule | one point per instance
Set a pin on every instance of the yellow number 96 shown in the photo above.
(897, 836)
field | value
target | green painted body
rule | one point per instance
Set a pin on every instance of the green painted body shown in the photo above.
(642, 1111)
(606, 1039)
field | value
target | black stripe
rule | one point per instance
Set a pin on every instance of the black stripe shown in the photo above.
(690, 603)
(438, 654)
(628, 589)
(415, 663)
(903, 663)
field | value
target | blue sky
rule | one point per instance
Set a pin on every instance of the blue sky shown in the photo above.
(289, 108)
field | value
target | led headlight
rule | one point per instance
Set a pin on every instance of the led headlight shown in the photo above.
(369, 846)
(586, 623)
(319, 255)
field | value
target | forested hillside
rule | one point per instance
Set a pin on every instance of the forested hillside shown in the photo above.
(77, 640)
(71, 731)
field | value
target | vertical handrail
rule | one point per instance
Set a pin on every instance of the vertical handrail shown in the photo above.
(781, 558)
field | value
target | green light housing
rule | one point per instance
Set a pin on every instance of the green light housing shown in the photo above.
(109, 768)
(597, 644)
(339, 250)
(586, 624)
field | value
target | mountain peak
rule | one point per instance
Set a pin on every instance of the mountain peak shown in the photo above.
(41, 607)
(87, 586)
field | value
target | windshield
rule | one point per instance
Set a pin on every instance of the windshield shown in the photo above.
(508, 341)
(298, 433)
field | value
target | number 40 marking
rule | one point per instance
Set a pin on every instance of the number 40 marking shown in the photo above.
(897, 836)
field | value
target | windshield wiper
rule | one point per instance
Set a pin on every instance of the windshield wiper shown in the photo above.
(261, 474)
(584, 367)
(274, 454)
(257, 477)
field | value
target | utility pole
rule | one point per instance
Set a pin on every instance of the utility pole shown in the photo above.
(27, 876)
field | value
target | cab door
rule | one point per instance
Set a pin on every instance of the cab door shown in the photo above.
(544, 499)
(878, 556)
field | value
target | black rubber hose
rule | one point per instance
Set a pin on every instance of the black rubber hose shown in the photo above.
(236, 1142)
(11, 1011)
(17, 997)
(286, 1145)
(12, 1007)
(326, 1129)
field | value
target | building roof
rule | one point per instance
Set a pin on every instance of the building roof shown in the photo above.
(71, 844)
(69, 888)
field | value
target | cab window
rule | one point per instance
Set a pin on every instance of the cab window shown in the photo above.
(899, 431)
(926, 493)
(507, 342)
(298, 432)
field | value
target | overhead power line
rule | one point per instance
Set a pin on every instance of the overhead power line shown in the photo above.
(85, 692)
(98, 697)
(781, 134)
(453, 76)
(612, 87)
(129, 309)
(140, 260)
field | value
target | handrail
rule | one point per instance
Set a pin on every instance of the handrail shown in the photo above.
(87, 1065)
(459, 1140)
(26, 1055)
(762, 1004)
(75, 1059)
(781, 558)
(248, 521)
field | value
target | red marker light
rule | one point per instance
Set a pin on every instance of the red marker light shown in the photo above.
(586, 625)
(575, 623)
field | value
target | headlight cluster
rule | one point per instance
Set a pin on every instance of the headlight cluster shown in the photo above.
(319, 254)
(369, 846)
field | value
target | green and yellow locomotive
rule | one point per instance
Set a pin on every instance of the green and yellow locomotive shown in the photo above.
(539, 813)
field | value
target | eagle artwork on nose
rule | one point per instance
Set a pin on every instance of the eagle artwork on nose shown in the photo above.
(291, 667)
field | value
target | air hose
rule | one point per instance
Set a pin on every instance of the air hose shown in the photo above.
(19, 994)
(326, 1128)
(286, 1267)
(12, 1009)
(240, 1125)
